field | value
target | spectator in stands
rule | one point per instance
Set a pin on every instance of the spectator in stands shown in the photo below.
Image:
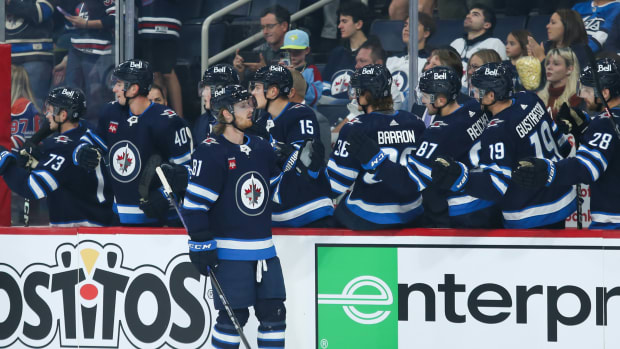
(29, 31)
(297, 44)
(399, 9)
(516, 47)
(341, 60)
(274, 22)
(298, 95)
(159, 28)
(477, 60)
(157, 95)
(90, 56)
(598, 18)
(478, 25)
(25, 122)
(399, 66)
(565, 29)
(562, 69)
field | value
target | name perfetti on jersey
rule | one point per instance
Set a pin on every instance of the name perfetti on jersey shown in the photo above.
(475, 130)
(530, 121)
(391, 137)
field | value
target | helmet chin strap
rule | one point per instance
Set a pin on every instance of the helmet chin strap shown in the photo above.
(364, 106)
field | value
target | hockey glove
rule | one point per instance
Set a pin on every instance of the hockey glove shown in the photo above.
(448, 174)
(203, 255)
(365, 150)
(534, 173)
(156, 205)
(286, 155)
(311, 158)
(29, 155)
(86, 156)
(177, 176)
(572, 120)
(6, 159)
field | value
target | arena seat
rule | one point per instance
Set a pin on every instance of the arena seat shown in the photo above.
(390, 34)
(447, 31)
(333, 112)
(537, 25)
(507, 24)
(211, 6)
(189, 45)
(257, 7)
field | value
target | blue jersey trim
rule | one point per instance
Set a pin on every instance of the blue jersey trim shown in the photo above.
(470, 207)
(246, 255)
(306, 218)
(538, 221)
(385, 218)
(596, 225)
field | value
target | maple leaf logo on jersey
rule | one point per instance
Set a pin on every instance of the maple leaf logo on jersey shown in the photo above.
(252, 194)
(124, 161)
(438, 124)
(169, 113)
(494, 122)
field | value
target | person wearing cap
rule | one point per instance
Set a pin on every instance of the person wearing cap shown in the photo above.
(297, 44)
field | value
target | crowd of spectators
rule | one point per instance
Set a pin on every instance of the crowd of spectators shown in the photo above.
(70, 43)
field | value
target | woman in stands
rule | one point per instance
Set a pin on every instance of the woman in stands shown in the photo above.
(562, 73)
(565, 29)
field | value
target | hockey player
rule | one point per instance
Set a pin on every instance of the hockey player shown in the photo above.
(372, 204)
(130, 131)
(597, 161)
(75, 196)
(227, 211)
(520, 127)
(297, 200)
(217, 76)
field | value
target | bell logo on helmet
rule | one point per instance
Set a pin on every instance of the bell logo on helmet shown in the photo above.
(491, 72)
(606, 67)
(67, 92)
(442, 76)
(218, 92)
(219, 69)
(135, 64)
(368, 71)
(277, 68)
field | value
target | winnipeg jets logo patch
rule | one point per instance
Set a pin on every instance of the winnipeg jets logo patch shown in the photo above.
(132, 120)
(494, 122)
(401, 80)
(437, 124)
(169, 113)
(210, 140)
(340, 81)
(124, 161)
(62, 139)
(252, 193)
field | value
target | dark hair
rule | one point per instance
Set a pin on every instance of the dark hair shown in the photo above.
(376, 49)
(281, 13)
(161, 90)
(382, 103)
(487, 55)
(356, 9)
(427, 22)
(488, 13)
(521, 36)
(449, 57)
(574, 30)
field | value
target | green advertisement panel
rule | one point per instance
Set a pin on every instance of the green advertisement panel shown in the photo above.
(357, 297)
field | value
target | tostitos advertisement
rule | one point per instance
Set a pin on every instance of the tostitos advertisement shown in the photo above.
(418, 288)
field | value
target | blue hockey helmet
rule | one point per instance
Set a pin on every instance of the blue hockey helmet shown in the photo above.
(494, 77)
(608, 75)
(440, 80)
(69, 99)
(135, 71)
(374, 78)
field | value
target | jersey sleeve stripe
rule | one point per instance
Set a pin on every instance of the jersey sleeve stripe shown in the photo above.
(337, 186)
(179, 160)
(416, 179)
(190, 205)
(100, 184)
(275, 179)
(97, 140)
(595, 154)
(424, 170)
(504, 171)
(594, 173)
(35, 187)
(47, 178)
(202, 192)
(498, 183)
(342, 171)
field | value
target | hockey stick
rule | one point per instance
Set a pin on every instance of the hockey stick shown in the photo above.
(170, 195)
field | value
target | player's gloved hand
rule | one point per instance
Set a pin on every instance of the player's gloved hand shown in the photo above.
(448, 174)
(286, 155)
(203, 255)
(311, 158)
(572, 120)
(86, 156)
(6, 159)
(156, 205)
(177, 176)
(365, 149)
(534, 173)
(29, 155)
